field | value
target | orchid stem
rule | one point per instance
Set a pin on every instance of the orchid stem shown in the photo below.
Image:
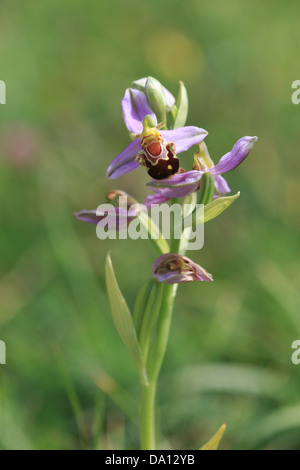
(163, 329)
(147, 422)
(148, 392)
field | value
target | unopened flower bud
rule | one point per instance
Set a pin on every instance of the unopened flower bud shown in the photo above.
(156, 99)
(169, 98)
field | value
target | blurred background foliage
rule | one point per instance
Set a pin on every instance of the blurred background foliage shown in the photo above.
(69, 382)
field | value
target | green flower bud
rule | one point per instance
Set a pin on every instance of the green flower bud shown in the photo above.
(156, 99)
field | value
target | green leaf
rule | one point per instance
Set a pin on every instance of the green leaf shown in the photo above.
(123, 320)
(182, 105)
(151, 313)
(140, 304)
(211, 211)
(216, 207)
(213, 443)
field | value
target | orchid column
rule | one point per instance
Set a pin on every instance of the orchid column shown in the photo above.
(156, 123)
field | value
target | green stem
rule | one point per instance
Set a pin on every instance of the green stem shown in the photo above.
(175, 245)
(163, 329)
(154, 363)
(147, 421)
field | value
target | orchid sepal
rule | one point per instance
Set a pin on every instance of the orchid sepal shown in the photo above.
(181, 107)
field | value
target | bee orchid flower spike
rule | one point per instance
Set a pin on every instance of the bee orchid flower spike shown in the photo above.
(156, 124)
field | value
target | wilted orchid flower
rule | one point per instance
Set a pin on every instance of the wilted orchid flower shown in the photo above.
(182, 184)
(122, 214)
(172, 268)
(115, 217)
(154, 148)
(118, 217)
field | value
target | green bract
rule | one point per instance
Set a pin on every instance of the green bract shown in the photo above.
(123, 319)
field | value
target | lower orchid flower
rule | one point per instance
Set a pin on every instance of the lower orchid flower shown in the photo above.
(172, 268)
(185, 183)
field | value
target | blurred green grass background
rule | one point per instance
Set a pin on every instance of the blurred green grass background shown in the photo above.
(69, 382)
